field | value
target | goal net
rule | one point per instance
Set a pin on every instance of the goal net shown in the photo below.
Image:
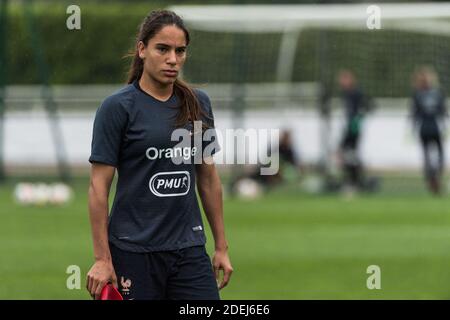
(286, 57)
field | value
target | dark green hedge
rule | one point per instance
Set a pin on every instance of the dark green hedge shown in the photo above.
(90, 55)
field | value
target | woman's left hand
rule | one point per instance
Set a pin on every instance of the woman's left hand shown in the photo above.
(221, 261)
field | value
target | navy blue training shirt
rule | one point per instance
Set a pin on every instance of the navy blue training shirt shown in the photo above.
(155, 206)
(427, 109)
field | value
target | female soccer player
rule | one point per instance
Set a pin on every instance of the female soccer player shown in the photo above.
(428, 112)
(153, 244)
(356, 106)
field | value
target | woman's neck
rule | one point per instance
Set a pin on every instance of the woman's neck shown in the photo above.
(156, 89)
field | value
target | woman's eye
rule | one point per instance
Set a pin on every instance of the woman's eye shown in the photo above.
(181, 51)
(161, 49)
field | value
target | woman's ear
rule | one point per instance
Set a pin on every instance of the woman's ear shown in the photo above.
(141, 49)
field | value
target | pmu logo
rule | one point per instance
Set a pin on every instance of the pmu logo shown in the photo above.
(170, 184)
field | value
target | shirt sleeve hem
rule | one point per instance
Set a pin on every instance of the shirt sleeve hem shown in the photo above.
(103, 160)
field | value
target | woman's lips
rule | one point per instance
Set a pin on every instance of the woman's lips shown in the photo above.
(170, 73)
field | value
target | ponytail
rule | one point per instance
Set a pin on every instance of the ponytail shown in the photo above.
(190, 109)
(136, 68)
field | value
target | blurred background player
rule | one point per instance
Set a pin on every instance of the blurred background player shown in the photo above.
(355, 107)
(288, 158)
(428, 113)
(290, 168)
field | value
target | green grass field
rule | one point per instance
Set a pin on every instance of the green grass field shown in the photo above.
(284, 246)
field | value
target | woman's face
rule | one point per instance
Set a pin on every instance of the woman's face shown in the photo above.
(423, 81)
(346, 80)
(164, 55)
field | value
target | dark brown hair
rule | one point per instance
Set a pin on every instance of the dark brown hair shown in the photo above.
(190, 109)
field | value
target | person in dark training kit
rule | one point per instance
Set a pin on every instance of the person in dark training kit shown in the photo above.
(428, 114)
(355, 107)
(152, 245)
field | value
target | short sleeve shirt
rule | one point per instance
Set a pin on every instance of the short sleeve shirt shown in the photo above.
(155, 207)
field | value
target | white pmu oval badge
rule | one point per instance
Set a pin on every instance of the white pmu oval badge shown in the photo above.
(170, 184)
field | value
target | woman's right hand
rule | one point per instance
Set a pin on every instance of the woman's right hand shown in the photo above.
(100, 274)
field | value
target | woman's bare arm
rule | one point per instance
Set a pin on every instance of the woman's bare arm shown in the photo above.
(210, 191)
(102, 271)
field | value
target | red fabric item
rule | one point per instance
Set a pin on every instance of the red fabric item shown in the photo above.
(109, 292)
